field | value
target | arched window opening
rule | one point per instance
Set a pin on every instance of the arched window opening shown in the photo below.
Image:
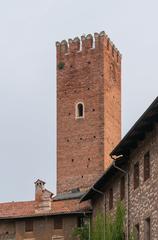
(80, 110)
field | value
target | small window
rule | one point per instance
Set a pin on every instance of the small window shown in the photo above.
(136, 175)
(80, 110)
(110, 198)
(122, 188)
(29, 226)
(147, 229)
(80, 222)
(58, 222)
(137, 231)
(146, 166)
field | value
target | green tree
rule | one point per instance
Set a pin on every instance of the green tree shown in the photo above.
(81, 232)
(97, 232)
(119, 223)
(106, 227)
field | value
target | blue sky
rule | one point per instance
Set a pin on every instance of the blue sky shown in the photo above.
(29, 29)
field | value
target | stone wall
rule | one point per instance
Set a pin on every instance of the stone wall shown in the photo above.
(142, 202)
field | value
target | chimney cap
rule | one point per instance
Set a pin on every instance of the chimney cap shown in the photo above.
(39, 181)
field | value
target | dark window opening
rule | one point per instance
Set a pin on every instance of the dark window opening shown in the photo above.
(110, 198)
(136, 175)
(29, 226)
(137, 231)
(80, 110)
(117, 57)
(147, 229)
(58, 222)
(122, 188)
(80, 222)
(108, 44)
(146, 166)
(113, 51)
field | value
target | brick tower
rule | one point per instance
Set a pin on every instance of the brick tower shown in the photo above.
(88, 109)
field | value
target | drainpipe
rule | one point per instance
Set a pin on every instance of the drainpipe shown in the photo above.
(126, 173)
(103, 194)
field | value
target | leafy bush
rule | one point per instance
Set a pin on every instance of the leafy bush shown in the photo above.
(61, 65)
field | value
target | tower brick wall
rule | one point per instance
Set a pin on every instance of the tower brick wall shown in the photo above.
(88, 71)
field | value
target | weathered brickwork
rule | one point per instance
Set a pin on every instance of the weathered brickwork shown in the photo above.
(42, 219)
(43, 229)
(142, 202)
(90, 74)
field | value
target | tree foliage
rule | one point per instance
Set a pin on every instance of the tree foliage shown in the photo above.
(81, 232)
(110, 228)
(106, 227)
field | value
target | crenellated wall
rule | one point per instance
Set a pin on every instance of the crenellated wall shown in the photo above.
(87, 43)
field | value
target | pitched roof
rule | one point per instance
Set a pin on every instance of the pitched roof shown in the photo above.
(96, 189)
(13, 210)
(137, 132)
(70, 195)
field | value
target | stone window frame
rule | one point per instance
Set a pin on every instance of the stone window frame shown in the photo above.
(76, 110)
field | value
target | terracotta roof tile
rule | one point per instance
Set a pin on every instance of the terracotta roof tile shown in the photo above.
(27, 209)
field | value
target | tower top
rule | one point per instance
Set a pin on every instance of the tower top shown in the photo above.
(85, 43)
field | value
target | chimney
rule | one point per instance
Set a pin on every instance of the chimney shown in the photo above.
(43, 197)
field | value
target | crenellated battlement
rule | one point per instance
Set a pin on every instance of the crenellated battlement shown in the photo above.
(86, 43)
